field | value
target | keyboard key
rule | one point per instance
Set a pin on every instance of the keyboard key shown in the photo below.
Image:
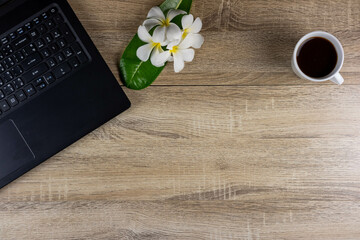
(49, 78)
(29, 90)
(58, 19)
(20, 95)
(40, 43)
(74, 63)
(18, 83)
(1, 82)
(48, 38)
(54, 48)
(61, 70)
(51, 62)
(62, 43)
(20, 31)
(1, 55)
(53, 10)
(37, 21)
(50, 24)
(56, 33)
(5, 40)
(31, 61)
(44, 16)
(8, 89)
(2, 68)
(4, 106)
(35, 72)
(2, 94)
(59, 57)
(12, 101)
(41, 86)
(21, 42)
(42, 29)
(34, 34)
(12, 36)
(45, 52)
(68, 52)
(79, 53)
(28, 26)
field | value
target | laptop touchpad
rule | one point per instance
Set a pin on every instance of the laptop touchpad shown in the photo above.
(14, 151)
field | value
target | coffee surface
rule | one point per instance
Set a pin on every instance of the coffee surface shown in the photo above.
(317, 57)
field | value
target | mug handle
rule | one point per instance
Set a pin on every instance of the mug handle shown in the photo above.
(338, 79)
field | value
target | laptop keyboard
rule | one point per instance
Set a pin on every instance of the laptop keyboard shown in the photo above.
(35, 55)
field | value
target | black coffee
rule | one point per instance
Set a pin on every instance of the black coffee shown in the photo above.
(317, 57)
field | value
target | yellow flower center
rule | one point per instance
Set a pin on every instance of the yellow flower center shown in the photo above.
(165, 22)
(174, 49)
(185, 33)
(156, 45)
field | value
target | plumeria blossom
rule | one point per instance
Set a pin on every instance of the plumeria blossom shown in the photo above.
(179, 43)
(191, 29)
(164, 27)
(153, 47)
(179, 53)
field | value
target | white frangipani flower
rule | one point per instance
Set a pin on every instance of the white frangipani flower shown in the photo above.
(179, 53)
(165, 28)
(191, 30)
(179, 43)
(154, 46)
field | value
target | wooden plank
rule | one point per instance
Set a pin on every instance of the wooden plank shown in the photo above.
(299, 142)
(176, 220)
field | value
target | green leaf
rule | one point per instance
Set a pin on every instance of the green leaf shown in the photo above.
(136, 74)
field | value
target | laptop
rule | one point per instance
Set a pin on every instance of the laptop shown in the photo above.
(54, 85)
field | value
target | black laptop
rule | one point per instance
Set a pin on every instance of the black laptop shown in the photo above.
(54, 85)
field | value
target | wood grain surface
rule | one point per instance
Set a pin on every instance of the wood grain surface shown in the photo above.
(234, 147)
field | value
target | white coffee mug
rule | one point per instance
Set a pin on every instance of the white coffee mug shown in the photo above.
(334, 76)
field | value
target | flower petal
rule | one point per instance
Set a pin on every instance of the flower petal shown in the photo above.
(172, 44)
(186, 43)
(143, 52)
(187, 21)
(156, 13)
(143, 34)
(159, 34)
(178, 62)
(173, 32)
(173, 13)
(196, 26)
(159, 58)
(194, 40)
(188, 54)
(150, 23)
(154, 57)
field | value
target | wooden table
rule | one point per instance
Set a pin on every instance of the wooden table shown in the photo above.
(234, 147)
